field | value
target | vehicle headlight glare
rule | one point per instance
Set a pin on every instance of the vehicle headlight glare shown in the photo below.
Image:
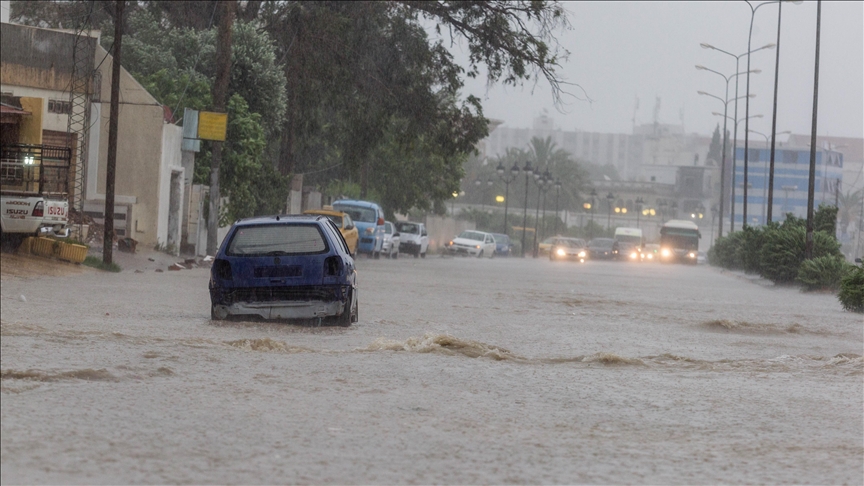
(664, 252)
(581, 254)
(560, 252)
(692, 255)
(633, 255)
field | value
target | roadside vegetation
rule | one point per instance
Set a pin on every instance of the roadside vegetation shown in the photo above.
(94, 262)
(776, 252)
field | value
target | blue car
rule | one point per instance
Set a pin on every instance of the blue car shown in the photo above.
(369, 219)
(503, 247)
(284, 267)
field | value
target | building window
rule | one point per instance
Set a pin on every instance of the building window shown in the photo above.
(59, 106)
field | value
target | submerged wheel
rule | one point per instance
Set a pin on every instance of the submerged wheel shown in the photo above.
(395, 255)
(376, 255)
(217, 314)
(352, 314)
(416, 253)
(480, 255)
(423, 255)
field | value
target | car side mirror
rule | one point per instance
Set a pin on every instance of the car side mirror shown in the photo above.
(395, 235)
(349, 227)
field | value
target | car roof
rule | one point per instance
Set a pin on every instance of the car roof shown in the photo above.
(280, 218)
(354, 202)
(326, 212)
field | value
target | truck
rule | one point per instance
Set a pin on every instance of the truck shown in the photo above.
(679, 241)
(34, 190)
(629, 243)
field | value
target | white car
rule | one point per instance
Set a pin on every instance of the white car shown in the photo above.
(413, 238)
(390, 246)
(472, 243)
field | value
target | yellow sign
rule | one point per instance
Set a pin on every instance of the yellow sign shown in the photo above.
(212, 126)
(31, 125)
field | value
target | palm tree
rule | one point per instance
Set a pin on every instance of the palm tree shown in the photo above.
(849, 208)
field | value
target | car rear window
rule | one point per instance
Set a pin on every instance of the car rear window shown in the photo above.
(277, 239)
(363, 215)
(407, 228)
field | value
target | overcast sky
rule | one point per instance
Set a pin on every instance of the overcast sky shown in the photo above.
(623, 50)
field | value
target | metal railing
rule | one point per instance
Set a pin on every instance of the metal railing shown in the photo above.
(35, 169)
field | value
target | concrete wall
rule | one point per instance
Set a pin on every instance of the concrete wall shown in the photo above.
(172, 137)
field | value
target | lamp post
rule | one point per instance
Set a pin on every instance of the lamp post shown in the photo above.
(478, 183)
(735, 135)
(514, 171)
(734, 168)
(768, 173)
(591, 208)
(747, 105)
(639, 203)
(726, 102)
(528, 171)
(557, 193)
(609, 197)
(808, 239)
(540, 180)
(546, 185)
(774, 114)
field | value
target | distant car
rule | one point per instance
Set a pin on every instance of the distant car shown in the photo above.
(344, 223)
(568, 249)
(472, 243)
(503, 246)
(602, 249)
(369, 219)
(651, 253)
(628, 252)
(284, 267)
(413, 238)
(390, 247)
(545, 246)
(701, 257)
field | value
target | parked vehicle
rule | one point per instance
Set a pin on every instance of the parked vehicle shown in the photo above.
(344, 223)
(568, 249)
(472, 243)
(503, 246)
(628, 252)
(413, 238)
(602, 249)
(34, 190)
(369, 219)
(284, 267)
(392, 240)
(679, 241)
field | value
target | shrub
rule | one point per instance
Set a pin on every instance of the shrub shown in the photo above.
(851, 294)
(783, 251)
(824, 272)
(725, 251)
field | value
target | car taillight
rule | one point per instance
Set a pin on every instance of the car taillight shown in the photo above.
(222, 269)
(333, 266)
(39, 209)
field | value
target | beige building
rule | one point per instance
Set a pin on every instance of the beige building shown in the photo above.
(38, 63)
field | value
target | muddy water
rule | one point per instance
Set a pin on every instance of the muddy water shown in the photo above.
(459, 371)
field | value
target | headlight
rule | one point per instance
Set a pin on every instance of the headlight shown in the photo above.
(477, 246)
(581, 254)
(650, 256)
(560, 252)
(451, 243)
(369, 230)
(634, 255)
(664, 252)
(692, 255)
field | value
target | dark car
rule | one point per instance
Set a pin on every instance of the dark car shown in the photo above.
(628, 251)
(503, 247)
(284, 267)
(602, 249)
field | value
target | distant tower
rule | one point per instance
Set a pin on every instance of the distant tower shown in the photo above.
(656, 116)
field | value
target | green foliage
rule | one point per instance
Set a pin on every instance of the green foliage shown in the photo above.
(825, 219)
(253, 185)
(783, 251)
(851, 293)
(823, 273)
(94, 262)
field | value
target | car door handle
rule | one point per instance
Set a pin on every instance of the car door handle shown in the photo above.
(277, 280)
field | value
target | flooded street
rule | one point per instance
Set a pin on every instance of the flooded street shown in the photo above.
(460, 371)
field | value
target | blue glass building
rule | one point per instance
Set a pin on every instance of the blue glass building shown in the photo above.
(791, 172)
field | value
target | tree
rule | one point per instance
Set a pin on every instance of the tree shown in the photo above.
(715, 150)
(849, 208)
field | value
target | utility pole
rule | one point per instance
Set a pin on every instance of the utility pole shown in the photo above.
(108, 232)
(227, 10)
(808, 242)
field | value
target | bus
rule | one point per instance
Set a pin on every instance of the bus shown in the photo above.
(679, 241)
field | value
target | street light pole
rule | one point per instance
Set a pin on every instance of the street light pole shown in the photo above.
(557, 193)
(808, 242)
(735, 135)
(639, 203)
(747, 108)
(539, 180)
(514, 171)
(768, 174)
(593, 204)
(726, 102)
(609, 197)
(528, 171)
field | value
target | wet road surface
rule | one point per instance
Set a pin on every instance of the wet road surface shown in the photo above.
(459, 371)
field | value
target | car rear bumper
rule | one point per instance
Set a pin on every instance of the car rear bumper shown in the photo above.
(305, 302)
(283, 309)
